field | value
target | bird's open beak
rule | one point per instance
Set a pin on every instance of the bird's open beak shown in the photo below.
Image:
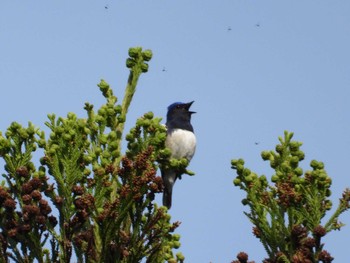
(188, 105)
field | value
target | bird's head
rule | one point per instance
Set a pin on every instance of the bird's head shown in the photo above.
(180, 108)
(179, 114)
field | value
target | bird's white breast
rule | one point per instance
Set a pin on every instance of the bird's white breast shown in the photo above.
(182, 143)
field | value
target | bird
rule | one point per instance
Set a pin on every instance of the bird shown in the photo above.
(181, 141)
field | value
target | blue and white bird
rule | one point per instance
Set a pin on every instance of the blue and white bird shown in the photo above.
(180, 140)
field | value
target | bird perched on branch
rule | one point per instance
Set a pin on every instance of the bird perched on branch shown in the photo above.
(181, 141)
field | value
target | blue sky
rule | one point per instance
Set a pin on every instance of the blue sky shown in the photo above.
(254, 69)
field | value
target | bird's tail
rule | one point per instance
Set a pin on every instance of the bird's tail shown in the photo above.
(167, 196)
(169, 178)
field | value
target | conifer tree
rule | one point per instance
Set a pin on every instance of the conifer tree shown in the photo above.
(88, 200)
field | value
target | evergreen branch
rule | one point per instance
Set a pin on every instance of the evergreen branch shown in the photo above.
(104, 199)
(287, 216)
(137, 64)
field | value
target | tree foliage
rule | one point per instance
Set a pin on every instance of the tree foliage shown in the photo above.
(86, 199)
(287, 215)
